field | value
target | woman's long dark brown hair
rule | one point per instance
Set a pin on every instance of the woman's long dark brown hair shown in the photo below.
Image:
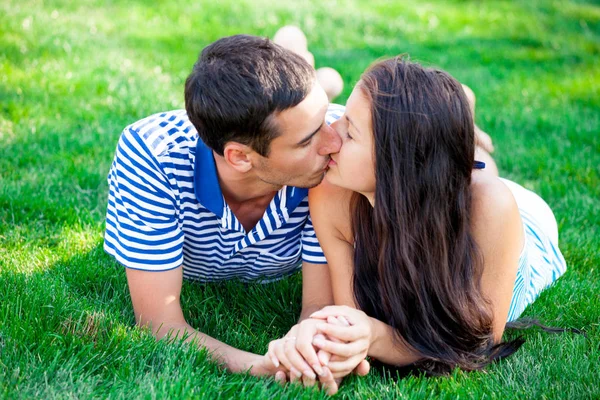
(416, 265)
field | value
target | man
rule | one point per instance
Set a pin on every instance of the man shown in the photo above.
(219, 191)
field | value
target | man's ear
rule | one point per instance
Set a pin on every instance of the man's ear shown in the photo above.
(237, 155)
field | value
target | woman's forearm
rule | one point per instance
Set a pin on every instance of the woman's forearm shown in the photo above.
(363, 336)
(385, 348)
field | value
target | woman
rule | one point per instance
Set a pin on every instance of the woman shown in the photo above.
(430, 252)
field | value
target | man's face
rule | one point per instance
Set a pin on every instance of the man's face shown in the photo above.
(300, 154)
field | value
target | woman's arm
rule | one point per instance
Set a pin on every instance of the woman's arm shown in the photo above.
(363, 336)
(498, 231)
(330, 212)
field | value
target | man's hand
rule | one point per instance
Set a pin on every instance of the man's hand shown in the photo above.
(297, 353)
(285, 352)
(262, 366)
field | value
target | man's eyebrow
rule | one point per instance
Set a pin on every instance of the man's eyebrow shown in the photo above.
(309, 136)
(353, 124)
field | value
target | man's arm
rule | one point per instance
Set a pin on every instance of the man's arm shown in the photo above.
(156, 304)
(316, 288)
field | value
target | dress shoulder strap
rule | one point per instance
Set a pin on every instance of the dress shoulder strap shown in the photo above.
(478, 164)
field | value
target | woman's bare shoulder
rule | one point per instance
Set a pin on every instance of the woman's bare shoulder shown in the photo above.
(496, 224)
(327, 190)
(492, 201)
(330, 206)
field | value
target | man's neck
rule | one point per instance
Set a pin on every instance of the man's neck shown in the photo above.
(239, 188)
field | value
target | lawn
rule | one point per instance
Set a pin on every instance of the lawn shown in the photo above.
(74, 74)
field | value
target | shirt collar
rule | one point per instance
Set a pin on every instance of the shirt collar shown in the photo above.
(206, 183)
(208, 191)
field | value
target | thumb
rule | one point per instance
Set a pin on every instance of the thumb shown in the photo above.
(363, 368)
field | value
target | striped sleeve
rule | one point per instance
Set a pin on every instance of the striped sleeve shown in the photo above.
(334, 112)
(142, 231)
(311, 249)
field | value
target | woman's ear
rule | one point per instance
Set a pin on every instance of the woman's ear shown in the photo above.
(237, 156)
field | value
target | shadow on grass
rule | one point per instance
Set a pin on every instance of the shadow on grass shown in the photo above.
(78, 310)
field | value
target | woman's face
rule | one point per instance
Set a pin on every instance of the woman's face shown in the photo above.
(354, 166)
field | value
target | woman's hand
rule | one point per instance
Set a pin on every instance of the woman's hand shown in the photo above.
(292, 350)
(352, 338)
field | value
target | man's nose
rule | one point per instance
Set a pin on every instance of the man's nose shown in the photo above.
(330, 141)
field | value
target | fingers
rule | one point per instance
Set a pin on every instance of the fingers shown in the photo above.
(344, 367)
(295, 378)
(342, 349)
(271, 354)
(349, 315)
(344, 333)
(324, 357)
(307, 381)
(332, 311)
(340, 320)
(277, 351)
(296, 360)
(302, 359)
(305, 348)
(484, 140)
(363, 368)
(328, 382)
(280, 377)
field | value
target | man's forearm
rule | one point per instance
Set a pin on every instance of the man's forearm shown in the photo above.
(234, 360)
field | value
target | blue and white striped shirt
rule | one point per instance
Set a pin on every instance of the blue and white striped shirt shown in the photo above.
(166, 209)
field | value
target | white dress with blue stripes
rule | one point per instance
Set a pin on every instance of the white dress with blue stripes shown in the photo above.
(541, 262)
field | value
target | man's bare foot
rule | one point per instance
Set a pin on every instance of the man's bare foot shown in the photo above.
(331, 81)
(293, 39)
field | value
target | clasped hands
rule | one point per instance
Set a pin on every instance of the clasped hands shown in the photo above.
(324, 348)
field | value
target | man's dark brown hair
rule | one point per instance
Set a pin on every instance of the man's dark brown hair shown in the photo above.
(237, 85)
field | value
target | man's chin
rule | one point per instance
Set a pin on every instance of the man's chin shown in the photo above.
(310, 184)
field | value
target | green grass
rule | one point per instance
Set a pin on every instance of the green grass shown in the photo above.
(73, 74)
